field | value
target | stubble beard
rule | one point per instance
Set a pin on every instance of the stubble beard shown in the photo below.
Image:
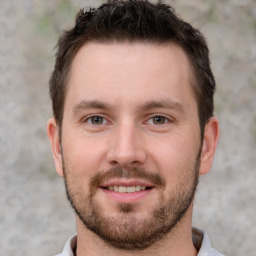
(128, 230)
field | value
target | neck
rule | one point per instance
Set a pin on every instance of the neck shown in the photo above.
(178, 242)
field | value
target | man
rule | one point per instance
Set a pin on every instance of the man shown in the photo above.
(133, 127)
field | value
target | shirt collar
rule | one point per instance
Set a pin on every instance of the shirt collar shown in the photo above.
(200, 240)
(202, 243)
(69, 247)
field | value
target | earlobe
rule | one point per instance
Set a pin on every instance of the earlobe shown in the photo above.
(53, 134)
(211, 136)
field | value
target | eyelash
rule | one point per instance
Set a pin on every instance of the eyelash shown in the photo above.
(95, 116)
(166, 119)
(105, 121)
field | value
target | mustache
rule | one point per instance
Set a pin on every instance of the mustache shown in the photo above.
(128, 173)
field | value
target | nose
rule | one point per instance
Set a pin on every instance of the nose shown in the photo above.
(126, 147)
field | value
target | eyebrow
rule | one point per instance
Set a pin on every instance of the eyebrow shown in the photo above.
(90, 104)
(167, 104)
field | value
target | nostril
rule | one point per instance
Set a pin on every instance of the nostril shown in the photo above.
(125, 151)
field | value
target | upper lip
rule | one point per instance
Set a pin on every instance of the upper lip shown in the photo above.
(126, 183)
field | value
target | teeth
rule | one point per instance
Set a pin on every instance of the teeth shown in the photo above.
(138, 188)
(123, 189)
(130, 189)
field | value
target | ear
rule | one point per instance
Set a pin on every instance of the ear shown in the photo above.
(53, 134)
(211, 136)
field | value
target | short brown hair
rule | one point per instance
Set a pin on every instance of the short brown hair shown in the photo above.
(134, 20)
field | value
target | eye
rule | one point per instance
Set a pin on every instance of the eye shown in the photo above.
(96, 120)
(158, 120)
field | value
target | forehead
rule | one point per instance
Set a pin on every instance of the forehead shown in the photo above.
(123, 70)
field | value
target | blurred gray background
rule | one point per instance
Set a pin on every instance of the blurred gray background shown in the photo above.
(35, 217)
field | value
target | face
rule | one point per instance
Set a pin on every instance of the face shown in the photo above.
(130, 148)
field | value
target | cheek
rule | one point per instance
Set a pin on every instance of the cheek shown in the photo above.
(82, 157)
(174, 156)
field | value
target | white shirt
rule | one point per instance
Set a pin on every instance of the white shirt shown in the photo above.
(200, 240)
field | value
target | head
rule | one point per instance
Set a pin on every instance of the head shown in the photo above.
(134, 21)
(132, 95)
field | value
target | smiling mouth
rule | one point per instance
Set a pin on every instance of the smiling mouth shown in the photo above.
(127, 189)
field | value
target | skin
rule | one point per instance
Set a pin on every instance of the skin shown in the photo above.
(133, 82)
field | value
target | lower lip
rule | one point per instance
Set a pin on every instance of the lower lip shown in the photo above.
(127, 197)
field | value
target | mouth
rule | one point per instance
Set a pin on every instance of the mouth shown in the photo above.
(124, 191)
(127, 189)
